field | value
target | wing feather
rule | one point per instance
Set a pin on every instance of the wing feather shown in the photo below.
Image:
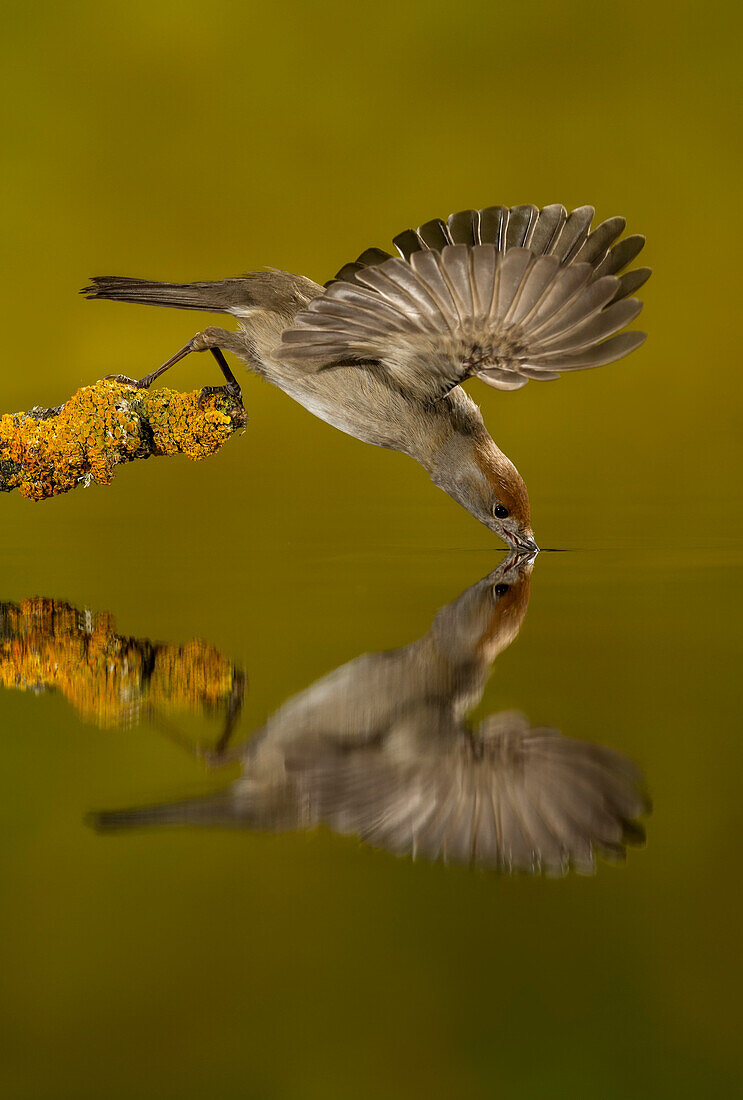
(595, 246)
(502, 379)
(593, 329)
(533, 287)
(384, 280)
(434, 234)
(632, 281)
(513, 268)
(483, 265)
(463, 227)
(576, 308)
(456, 270)
(354, 295)
(520, 225)
(564, 288)
(493, 226)
(403, 276)
(620, 255)
(548, 225)
(573, 233)
(613, 348)
(372, 256)
(408, 242)
(427, 266)
(507, 294)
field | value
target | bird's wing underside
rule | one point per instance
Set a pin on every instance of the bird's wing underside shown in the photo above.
(512, 798)
(505, 294)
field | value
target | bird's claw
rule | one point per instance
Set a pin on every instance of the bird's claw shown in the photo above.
(230, 389)
(125, 380)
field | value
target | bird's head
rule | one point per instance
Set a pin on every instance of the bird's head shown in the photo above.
(479, 477)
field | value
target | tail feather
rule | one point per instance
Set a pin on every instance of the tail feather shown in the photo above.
(274, 291)
(269, 807)
(221, 296)
(218, 809)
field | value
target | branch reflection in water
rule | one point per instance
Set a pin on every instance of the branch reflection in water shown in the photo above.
(112, 680)
(380, 749)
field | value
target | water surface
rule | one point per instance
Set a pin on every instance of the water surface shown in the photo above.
(339, 715)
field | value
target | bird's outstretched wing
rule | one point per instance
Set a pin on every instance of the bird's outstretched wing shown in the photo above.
(505, 294)
(513, 798)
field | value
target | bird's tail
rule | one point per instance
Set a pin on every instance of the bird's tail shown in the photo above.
(220, 296)
(271, 807)
(210, 810)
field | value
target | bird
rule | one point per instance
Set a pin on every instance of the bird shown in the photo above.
(504, 294)
(380, 748)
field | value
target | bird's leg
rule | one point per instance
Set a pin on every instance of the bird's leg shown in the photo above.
(231, 386)
(208, 340)
(220, 754)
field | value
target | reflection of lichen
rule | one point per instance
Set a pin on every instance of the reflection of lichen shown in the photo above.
(109, 679)
(44, 452)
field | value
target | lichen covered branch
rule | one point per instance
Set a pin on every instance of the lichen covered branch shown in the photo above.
(45, 452)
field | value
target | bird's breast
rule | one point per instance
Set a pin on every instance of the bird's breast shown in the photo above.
(352, 400)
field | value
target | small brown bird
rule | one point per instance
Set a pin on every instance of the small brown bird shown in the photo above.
(380, 351)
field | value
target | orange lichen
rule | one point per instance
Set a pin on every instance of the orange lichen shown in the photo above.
(111, 680)
(101, 427)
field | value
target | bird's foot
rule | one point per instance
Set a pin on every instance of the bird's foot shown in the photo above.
(230, 389)
(202, 341)
(125, 380)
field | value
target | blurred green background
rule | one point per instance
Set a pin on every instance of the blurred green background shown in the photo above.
(195, 141)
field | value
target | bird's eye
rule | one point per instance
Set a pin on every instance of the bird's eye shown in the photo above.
(501, 589)
(500, 511)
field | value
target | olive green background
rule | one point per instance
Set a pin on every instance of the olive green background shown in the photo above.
(191, 141)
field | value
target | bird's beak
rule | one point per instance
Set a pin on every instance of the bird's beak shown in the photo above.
(522, 544)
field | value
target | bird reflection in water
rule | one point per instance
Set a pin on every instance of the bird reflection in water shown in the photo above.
(380, 749)
(112, 680)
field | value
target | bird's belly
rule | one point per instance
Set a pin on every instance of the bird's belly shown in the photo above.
(351, 409)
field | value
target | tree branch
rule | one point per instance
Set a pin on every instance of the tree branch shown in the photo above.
(45, 452)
